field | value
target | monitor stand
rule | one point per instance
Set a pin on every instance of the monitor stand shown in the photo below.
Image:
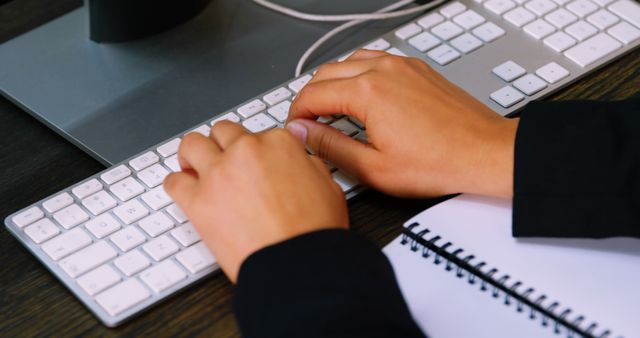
(115, 100)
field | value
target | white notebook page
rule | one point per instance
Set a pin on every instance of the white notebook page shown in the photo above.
(596, 278)
(445, 306)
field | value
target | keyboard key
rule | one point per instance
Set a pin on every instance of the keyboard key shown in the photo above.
(99, 202)
(602, 19)
(345, 127)
(131, 211)
(173, 163)
(539, 29)
(509, 71)
(628, 10)
(560, 18)
(99, 279)
(41, 230)
(507, 96)
(488, 32)
(70, 216)
(123, 296)
(592, 49)
(395, 51)
(132, 262)
(469, 19)
(280, 111)
(530, 84)
(196, 258)
(128, 238)
(357, 122)
(87, 188)
(466, 43)
(346, 182)
(624, 32)
(430, 20)
(600, 2)
(58, 202)
(186, 234)
(519, 16)
(380, 44)
(581, 30)
(251, 108)
(163, 276)
(424, 41)
(156, 224)
(153, 176)
(203, 130)
(443, 54)
(559, 41)
(277, 96)
(27, 217)
(408, 31)
(102, 225)
(144, 160)
(447, 30)
(156, 198)
(127, 189)
(169, 148)
(552, 72)
(582, 7)
(452, 9)
(259, 122)
(231, 117)
(160, 248)
(299, 83)
(499, 6)
(541, 7)
(66, 243)
(177, 213)
(87, 259)
(116, 174)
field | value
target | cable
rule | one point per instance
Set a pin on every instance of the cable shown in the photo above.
(347, 25)
(379, 15)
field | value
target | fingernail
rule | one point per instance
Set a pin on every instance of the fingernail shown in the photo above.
(298, 130)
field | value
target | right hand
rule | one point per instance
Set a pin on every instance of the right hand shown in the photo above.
(427, 137)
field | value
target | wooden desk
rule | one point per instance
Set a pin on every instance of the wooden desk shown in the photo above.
(36, 163)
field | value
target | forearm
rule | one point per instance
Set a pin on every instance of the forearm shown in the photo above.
(327, 283)
(577, 170)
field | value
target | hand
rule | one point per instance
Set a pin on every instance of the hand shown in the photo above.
(244, 192)
(427, 137)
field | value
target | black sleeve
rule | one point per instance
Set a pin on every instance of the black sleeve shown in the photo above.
(330, 283)
(577, 170)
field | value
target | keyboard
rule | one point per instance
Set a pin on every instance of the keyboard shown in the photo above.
(119, 243)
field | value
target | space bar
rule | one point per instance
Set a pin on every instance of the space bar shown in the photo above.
(590, 50)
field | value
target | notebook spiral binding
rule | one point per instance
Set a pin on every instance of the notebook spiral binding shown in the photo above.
(539, 307)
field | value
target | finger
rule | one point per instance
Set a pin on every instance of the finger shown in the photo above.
(323, 98)
(332, 145)
(225, 133)
(343, 69)
(197, 152)
(366, 54)
(180, 187)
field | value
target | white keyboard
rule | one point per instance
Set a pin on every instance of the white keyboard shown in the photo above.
(119, 243)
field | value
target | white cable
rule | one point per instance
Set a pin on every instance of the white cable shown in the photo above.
(347, 25)
(379, 15)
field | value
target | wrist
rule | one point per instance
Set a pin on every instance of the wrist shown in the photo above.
(490, 169)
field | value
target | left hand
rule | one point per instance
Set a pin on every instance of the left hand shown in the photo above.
(245, 191)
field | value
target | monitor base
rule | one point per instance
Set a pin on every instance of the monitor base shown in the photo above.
(115, 100)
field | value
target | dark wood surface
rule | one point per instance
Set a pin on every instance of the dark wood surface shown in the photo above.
(35, 163)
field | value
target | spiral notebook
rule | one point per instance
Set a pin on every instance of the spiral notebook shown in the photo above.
(464, 275)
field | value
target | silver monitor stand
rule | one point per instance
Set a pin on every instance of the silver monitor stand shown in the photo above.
(115, 100)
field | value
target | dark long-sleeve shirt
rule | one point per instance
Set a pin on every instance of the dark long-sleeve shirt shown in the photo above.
(577, 174)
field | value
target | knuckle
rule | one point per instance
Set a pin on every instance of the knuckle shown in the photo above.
(366, 85)
(324, 68)
(325, 143)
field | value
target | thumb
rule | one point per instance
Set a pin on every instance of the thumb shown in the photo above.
(332, 145)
